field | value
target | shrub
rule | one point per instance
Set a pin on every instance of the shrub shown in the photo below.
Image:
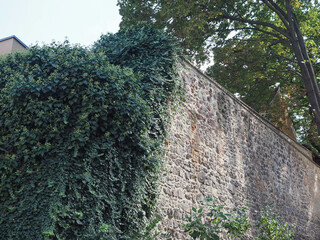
(209, 221)
(272, 228)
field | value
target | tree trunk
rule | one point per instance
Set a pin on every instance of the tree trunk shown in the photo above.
(304, 63)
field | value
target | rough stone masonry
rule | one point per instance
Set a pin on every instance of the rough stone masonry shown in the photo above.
(220, 147)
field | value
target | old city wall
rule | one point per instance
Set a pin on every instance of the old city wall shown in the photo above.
(220, 147)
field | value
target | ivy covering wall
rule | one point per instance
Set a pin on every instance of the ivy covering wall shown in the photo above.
(81, 133)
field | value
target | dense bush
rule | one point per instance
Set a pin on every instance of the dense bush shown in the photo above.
(80, 138)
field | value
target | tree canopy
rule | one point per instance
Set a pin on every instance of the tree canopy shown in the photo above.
(257, 45)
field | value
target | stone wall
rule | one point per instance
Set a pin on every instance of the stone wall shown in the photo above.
(220, 147)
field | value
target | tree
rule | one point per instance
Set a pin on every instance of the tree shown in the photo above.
(251, 70)
(255, 71)
(203, 25)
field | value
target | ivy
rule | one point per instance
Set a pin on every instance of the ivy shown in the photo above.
(152, 55)
(81, 134)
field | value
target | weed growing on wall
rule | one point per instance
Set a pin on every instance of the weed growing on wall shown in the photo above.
(81, 134)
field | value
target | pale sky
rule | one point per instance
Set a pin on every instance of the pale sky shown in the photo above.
(41, 21)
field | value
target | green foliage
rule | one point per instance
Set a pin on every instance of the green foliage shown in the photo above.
(147, 51)
(235, 224)
(152, 56)
(271, 228)
(151, 232)
(80, 140)
(202, 25)
(210, 222)
(188, 21)
(252, 46)
(255, 68)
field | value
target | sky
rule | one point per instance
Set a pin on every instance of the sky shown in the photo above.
(42, 21)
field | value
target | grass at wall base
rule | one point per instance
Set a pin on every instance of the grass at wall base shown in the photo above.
(81, 133)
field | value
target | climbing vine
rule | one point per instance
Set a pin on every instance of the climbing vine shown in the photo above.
(81, 133)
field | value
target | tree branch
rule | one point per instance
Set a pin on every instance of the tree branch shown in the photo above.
(282, 15)
(280, 39)
(292, 72)
(252, 22)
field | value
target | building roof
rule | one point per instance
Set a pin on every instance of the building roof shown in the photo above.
(16, 38)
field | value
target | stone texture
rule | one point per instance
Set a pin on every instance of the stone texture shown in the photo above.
(220, 147)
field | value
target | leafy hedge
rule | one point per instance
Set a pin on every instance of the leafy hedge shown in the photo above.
(80, 138)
